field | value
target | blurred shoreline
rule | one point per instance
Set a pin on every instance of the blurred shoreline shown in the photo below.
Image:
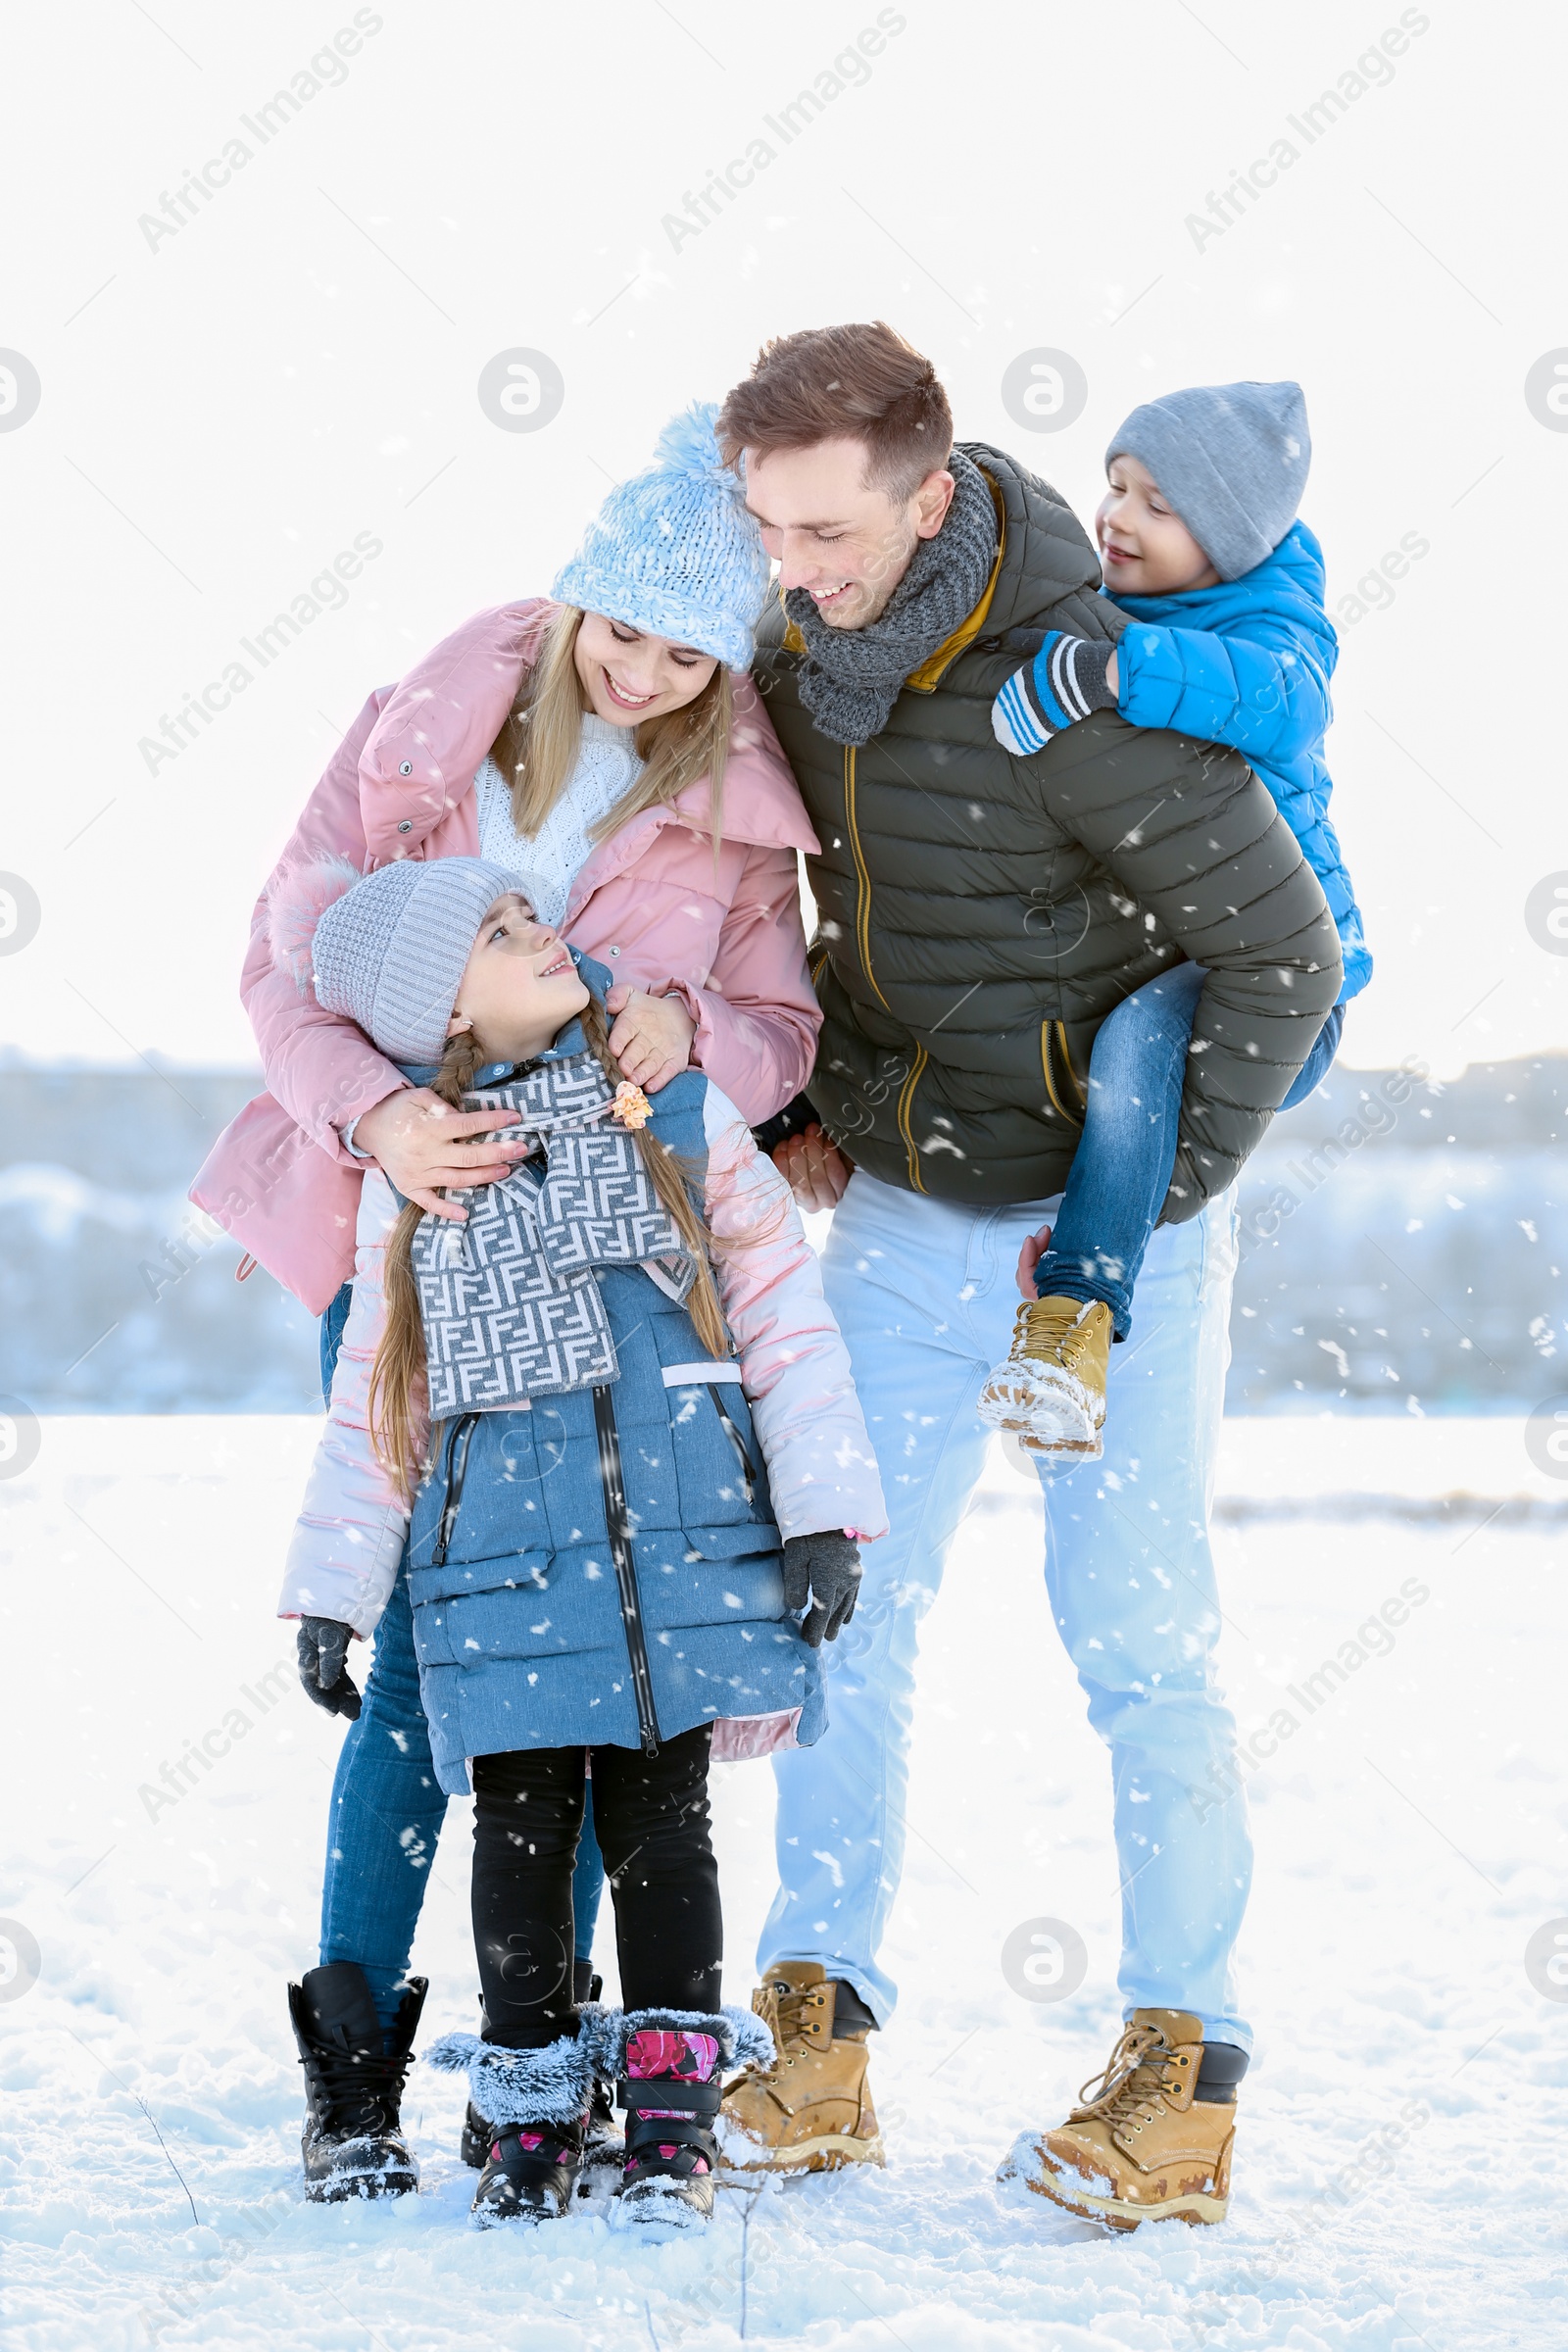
(1403, 1243)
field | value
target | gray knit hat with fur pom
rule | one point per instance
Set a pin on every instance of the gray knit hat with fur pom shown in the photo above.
(390, 953)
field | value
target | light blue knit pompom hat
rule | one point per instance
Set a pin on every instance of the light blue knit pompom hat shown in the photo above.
(673, 550)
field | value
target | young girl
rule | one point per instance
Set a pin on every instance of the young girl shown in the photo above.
(1229, 641)
(608, 750)
(613, 1522)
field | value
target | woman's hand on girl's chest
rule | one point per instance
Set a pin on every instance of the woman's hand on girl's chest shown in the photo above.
(422, 1143)
(651, 1038)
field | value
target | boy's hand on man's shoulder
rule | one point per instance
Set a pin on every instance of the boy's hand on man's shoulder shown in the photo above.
(1068, 679)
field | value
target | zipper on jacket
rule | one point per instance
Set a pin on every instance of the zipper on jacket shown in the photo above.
(614, 1489)
(731, 1431)
(862, 878)
(905, 1113)
(1063, 1082)
(462, 1433)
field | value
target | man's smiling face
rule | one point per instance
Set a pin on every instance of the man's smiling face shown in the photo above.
(847, 543)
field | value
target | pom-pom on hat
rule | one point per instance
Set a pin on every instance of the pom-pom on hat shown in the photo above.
(387, 950)
(1232, 458)
(673, 551)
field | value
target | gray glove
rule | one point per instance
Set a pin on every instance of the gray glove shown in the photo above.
(323, 1645)
(824, 1570)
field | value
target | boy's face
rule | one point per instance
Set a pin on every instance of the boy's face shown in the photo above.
(520, 987)
(1144, 547)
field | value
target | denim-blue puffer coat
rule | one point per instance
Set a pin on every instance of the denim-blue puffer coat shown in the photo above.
(604, 1567)
(1247, 663)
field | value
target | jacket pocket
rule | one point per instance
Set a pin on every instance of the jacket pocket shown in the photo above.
(718, 1577)
(479, 1520)
(719, 1472)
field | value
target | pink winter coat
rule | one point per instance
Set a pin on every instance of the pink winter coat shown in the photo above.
(648, 904)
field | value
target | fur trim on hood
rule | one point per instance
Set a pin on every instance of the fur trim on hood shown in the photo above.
(296, 900)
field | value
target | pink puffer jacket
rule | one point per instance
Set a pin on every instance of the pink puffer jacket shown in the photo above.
(649, 903)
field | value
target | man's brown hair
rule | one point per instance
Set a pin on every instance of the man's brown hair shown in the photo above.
(844, 383)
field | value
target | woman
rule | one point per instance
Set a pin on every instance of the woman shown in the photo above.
(607, 746)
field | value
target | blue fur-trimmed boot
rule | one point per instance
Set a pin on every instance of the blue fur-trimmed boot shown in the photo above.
(669, 2066)
(602, 2145)
(537, 2104)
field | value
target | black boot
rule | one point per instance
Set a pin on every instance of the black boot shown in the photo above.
(352, 2142)
(669, 2065)
(533, 2150)
(602, 2142)
(530, 2173)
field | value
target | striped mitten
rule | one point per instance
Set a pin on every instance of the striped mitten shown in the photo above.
(1064, 682)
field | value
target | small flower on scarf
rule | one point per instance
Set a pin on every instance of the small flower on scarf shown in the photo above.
(631, 1107)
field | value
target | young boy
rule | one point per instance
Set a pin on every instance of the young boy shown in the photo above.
(1229, 641)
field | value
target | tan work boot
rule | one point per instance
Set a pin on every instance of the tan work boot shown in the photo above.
(1050, 1393)
(1138, 2149)
(812, 2111)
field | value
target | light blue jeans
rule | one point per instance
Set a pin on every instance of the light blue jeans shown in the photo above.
(924, 1293)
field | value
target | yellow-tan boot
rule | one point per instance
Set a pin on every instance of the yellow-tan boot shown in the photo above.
(812, 2111)
(1138, 2149)
(1050, 1393)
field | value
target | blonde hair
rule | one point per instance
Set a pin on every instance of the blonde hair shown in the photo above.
(397, 1405)
(537, 747)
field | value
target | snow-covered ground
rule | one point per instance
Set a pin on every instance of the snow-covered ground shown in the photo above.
(1404, 2139)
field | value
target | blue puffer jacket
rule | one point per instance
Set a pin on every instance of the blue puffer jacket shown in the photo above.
(602, 1565)
(604, 1568)
(1247, 663)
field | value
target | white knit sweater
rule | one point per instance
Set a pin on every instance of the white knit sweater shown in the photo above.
(546, 867)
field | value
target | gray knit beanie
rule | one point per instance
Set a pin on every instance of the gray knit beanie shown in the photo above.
(1231, 460)
(390, 953)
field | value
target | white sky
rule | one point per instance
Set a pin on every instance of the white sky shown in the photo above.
(298, 366)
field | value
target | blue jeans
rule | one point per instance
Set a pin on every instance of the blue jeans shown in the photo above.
(387, 1806)
(1122, 1170)
(924, 1294)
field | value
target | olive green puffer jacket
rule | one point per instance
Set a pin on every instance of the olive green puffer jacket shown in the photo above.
(980, 915)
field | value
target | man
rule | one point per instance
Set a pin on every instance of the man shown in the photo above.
(980, 915)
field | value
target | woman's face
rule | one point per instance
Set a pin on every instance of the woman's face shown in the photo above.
(519, 988)
(629, 676)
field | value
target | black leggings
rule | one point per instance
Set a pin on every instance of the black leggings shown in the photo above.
(652, 1820)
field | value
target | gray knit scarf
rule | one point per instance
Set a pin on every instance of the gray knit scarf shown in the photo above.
(509, 1301)
(852, 678)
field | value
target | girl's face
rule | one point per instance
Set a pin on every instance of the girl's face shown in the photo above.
(628, 676)
(519, 988)
(1144, 546)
